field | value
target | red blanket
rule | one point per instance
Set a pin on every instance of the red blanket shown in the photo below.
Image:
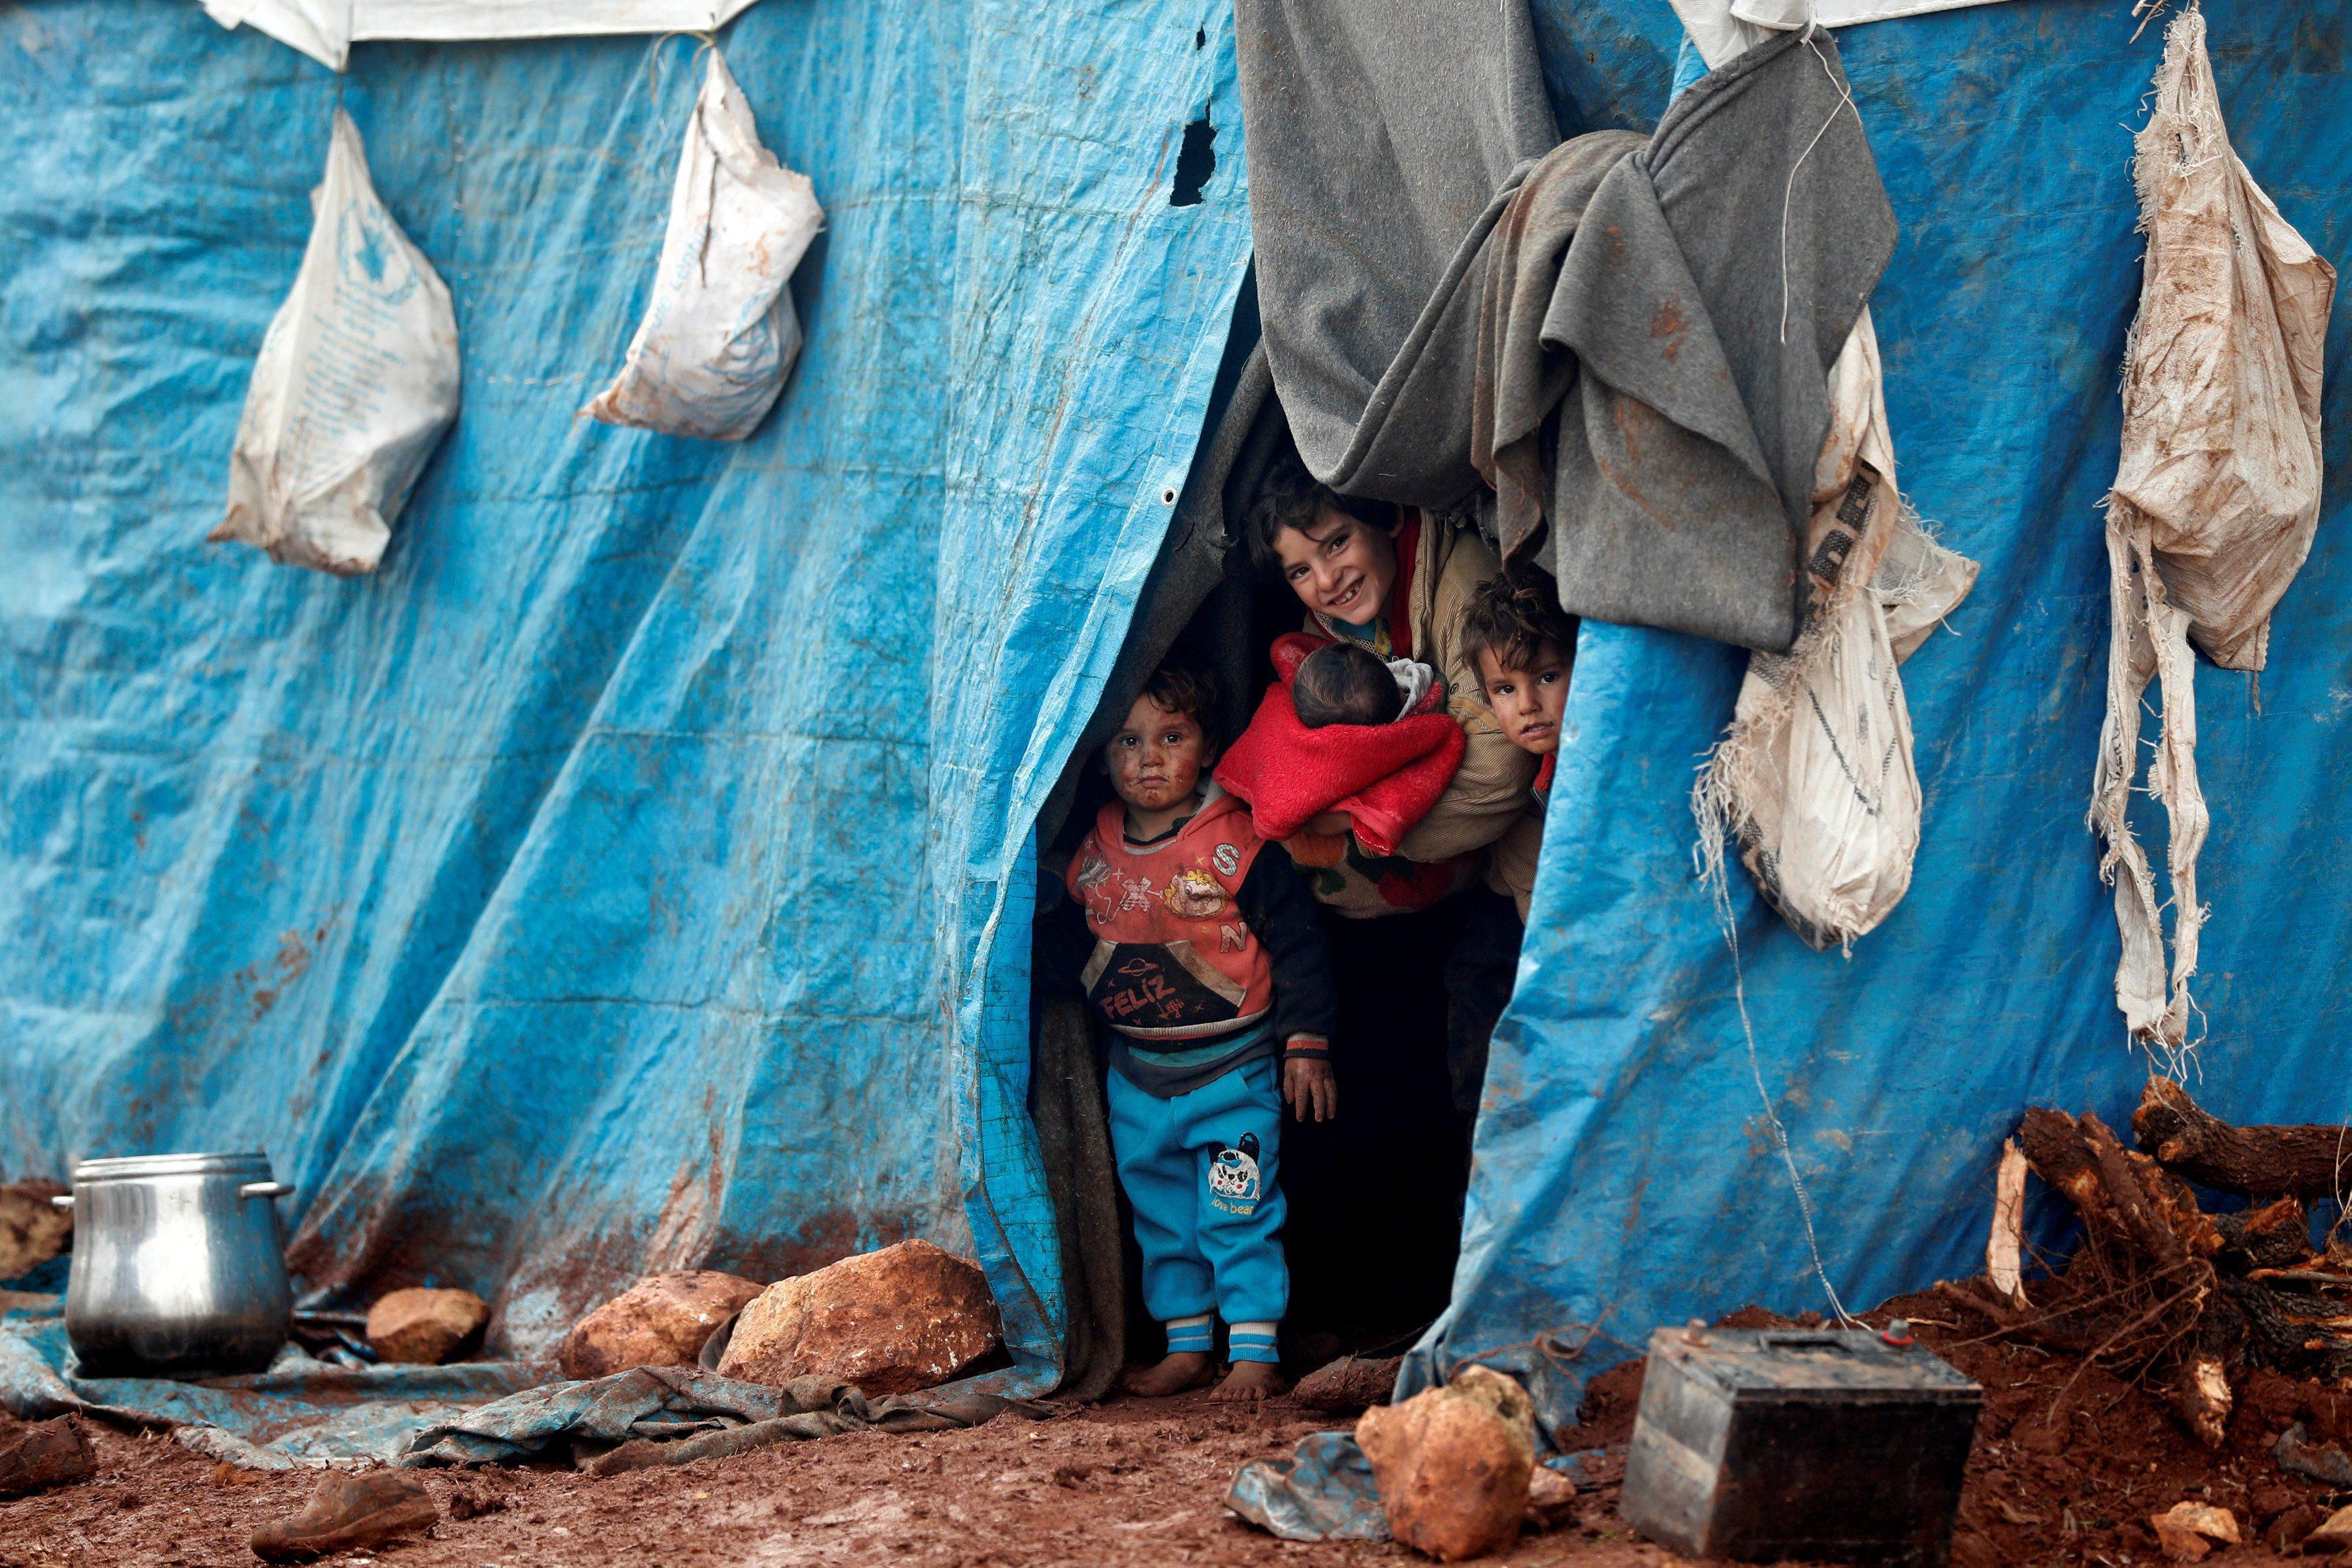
(1383, 777)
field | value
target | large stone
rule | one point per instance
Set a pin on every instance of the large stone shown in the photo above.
(32, 1229)
(1453, 1464)
(891, 1322)
(660, 1320)
(425, 1328)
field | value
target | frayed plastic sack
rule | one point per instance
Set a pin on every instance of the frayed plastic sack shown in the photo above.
(2216, 495)
(719, 334)
(354, 386)
(1814, 780)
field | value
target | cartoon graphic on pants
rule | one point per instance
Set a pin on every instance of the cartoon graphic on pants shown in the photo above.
(1234, 1172)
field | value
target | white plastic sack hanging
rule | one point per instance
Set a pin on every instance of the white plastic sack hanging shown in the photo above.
(355, 383)
(1814, 780)
(719, 334)
(2216, 498)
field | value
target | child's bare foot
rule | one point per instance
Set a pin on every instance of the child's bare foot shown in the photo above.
(1179, 1371)
(1249, 1380)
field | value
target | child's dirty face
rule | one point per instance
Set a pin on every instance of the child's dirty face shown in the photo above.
(1338, 566)
(1157, 757)
(1526, 701)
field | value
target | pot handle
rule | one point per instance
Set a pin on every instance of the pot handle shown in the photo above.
(63, 1200)
(265, 1190)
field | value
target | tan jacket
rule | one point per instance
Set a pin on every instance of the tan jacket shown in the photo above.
(1489, 793)
(1511, 868)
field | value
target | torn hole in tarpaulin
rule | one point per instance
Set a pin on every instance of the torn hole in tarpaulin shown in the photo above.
(1196, 161)
(2216, 495)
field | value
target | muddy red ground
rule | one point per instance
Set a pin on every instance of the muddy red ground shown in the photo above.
(1126, 1485)
(2068, 1465)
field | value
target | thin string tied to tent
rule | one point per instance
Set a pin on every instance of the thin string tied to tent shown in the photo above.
(1772, 1118)
(1788, 192)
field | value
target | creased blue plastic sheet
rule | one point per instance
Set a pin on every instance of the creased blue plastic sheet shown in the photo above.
(299, 1412)
(643, 1402)
(673, 1404)
(1324, 1492)
(613, 882)
(1625, 1173)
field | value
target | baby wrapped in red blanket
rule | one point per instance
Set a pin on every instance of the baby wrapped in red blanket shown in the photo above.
(1383, 778)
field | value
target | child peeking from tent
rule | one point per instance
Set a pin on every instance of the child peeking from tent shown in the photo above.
(1523, 644)
(1210, 968)
(1392, 817)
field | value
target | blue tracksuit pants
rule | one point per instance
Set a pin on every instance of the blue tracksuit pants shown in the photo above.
(1199, 1170)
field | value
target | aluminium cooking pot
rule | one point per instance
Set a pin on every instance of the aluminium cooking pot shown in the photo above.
(179, 1265)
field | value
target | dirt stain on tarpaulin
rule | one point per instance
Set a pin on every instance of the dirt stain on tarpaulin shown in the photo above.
(211, 1020)
(820, 1239)
(682, 1230)
(253, 990)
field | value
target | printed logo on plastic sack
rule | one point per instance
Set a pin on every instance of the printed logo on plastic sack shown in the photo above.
(370, 255)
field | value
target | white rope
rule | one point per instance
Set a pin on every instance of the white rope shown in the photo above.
(1788, 193)
(1772, 1117)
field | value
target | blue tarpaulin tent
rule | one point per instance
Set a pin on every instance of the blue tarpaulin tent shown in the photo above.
(636, 872)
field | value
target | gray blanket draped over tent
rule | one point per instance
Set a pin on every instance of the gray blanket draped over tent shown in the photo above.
(1710, 286)
(1679, 303)
(1379, 139)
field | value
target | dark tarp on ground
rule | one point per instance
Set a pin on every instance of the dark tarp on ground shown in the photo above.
(299, 1412)
(674, 1415)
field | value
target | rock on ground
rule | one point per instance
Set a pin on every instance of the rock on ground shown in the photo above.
(349, 1513)
(891, 1322)
(32, 1229)
(1552, 1500)
(1453, 1464)
(2332, 1535)
(53, 1453)
(425, 1328)
(1349, 1383)
(660, 1320)
(2187, 1531)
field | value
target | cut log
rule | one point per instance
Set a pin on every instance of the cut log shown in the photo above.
(2275, 1235)
(2054, 1148)
(2307, 1163)
(2121, 1194)
(2156, 1207)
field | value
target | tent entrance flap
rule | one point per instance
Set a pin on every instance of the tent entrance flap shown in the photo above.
(1374, 1197)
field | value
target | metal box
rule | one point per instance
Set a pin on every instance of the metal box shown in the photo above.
(1762, 1444)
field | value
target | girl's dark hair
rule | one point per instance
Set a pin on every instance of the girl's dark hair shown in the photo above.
(1288, 496)
(1184, 684)
(1343, 683)
(1512, 615)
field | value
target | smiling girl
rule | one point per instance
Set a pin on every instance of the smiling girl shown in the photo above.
(1400, 583)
